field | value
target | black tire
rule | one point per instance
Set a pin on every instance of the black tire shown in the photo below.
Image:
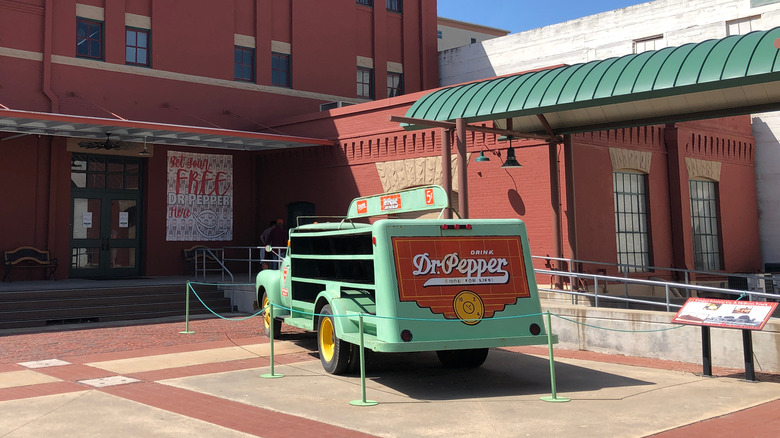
(471, 358)
(334, 353)
(268, 325)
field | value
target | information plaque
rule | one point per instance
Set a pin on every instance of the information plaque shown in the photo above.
(747, 315)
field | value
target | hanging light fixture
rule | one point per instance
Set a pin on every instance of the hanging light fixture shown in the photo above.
(511, 160)
(481, 158)
(145, 152)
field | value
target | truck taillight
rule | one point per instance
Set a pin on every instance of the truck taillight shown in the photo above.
(535, 329)
(456, 227)
(406, 335)
(373, 240)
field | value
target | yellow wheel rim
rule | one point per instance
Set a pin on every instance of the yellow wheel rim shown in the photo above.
(327, 342)
(266, 314)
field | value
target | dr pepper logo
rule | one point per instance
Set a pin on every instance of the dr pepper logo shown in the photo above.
(435, 271)
(390, 202)
(362, 206)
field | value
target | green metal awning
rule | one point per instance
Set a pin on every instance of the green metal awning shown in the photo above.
(738, 74)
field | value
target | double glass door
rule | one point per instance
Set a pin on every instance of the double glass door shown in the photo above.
(105, 232)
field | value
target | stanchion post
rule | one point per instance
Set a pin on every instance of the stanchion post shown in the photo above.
(270, 310)
(554, 397)
(187, 311)
(363, 401)
(747, 348)
(706, 352)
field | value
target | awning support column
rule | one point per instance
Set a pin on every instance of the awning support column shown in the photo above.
(463, 182)
(446, 169)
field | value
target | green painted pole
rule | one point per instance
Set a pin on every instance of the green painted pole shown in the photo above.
(554, 397)
(270, 311)
(363, 401)
(187, 311)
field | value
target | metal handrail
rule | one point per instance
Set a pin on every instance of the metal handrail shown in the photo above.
(668, 286)
(252, 258)
(649, 269)
(204, 255)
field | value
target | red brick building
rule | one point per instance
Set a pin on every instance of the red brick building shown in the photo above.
(226, 99)
(195, 69)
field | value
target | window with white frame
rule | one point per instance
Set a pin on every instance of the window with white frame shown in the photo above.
(650, 43)
(365, 82)
(395, 84)
(704, 221)
(633, 235)
(743, 25)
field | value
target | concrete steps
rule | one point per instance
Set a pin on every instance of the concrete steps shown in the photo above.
(38, 308)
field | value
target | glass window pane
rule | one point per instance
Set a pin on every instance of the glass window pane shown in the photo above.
(116, 181)
(131, 182)
(704, 224)
(142, 40)
(130, 37)
(85, 258)
(122, 257)
(632, 233)
(96, 180)
(86, 218)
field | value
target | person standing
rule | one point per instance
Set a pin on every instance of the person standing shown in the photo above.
(265, 239)
(278, 240)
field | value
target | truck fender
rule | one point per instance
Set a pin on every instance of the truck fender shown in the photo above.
(270, 282)
(341, 308)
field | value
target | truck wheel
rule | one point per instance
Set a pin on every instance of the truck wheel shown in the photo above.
(471, 358)
(268, 325)
(334, 353)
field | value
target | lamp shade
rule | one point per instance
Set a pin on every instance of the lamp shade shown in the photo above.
(511, 161)
(481, 158)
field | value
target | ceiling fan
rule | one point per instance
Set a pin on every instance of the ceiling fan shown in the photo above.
(108, 144)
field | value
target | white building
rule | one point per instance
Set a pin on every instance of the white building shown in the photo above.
(454, 33)
(646, 26)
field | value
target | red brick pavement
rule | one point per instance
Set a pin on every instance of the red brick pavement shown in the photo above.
(83, 345)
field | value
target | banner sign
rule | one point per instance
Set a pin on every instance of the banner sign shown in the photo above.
(467, 278)
(200, 197)
(751, 315)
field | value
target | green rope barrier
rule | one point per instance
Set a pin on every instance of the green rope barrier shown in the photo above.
(243, 318)
(617, 330)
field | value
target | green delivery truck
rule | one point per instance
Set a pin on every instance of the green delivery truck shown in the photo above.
(454, 286)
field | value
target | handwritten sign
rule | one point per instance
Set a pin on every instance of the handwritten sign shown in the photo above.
(200, 197)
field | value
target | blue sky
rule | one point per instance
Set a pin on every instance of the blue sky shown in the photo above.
(519, 15)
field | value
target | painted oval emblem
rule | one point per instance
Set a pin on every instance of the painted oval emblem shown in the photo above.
(468, 307)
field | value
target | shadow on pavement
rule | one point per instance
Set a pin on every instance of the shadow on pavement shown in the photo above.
(504, 373)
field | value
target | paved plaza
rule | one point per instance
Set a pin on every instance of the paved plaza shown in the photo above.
(147, 379)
